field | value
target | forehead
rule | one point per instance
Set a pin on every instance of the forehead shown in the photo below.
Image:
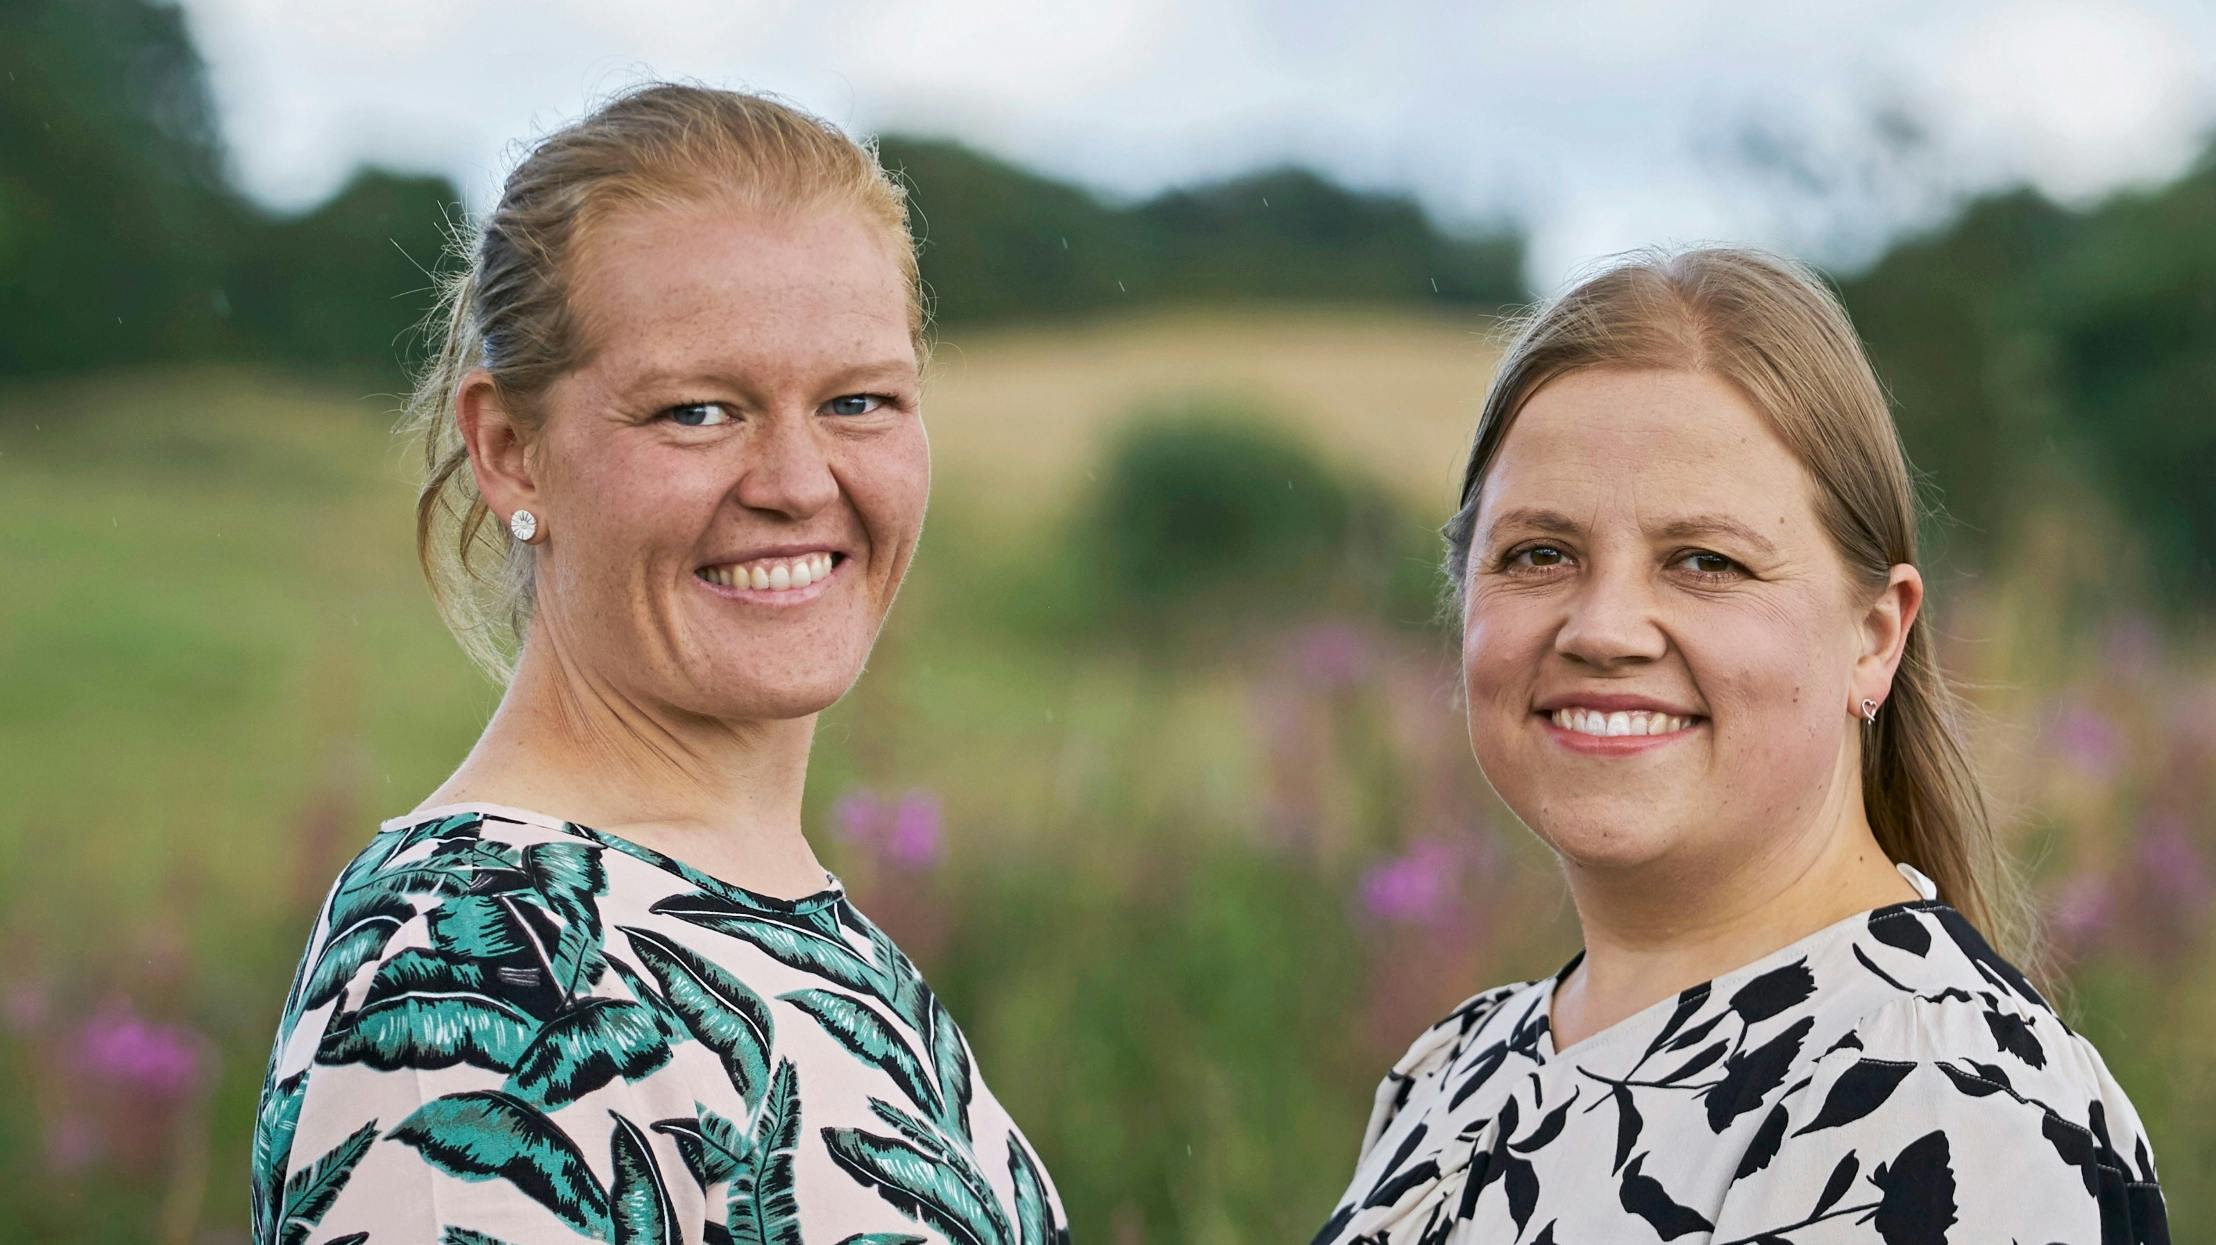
(1655, 442)
(669, 288)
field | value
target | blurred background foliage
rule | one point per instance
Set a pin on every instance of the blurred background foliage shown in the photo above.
(1168, 692)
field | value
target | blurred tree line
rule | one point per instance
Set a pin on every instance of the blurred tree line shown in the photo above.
(2024, 342)
(124, 243)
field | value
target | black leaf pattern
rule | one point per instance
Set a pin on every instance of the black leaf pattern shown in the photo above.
(1774, 992)
(1692, 1037)
(1969, 1082)
(1550, 1126)
(1708, 1055)
(1750, 1076)
(1522, 1184)
(1645, 1197)
(1842, 1179)
(1859, 1090)
(2075, 1145)
(1628, 1124)
(1901, 929)
(1689, 1002)
(1764, 1146)
(2013, 1036)
(1916, 1191)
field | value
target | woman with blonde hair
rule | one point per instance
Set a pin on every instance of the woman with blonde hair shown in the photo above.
(1696, 667)
(597, 986)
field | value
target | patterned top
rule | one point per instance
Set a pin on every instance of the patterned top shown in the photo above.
(1888, 1077)
(508, 1027)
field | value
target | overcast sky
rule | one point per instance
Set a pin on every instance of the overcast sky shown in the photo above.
(1594, 126)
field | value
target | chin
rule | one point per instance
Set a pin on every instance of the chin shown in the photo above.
(1606, 834)
(751, 697)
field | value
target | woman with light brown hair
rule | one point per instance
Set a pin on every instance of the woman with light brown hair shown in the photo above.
(1696, 667)
(597, 986)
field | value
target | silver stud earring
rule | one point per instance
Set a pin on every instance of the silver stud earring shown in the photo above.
(1869, 712)
(524, 526)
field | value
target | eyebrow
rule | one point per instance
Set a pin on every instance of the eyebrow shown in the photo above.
(882, 371)
(1687, 527)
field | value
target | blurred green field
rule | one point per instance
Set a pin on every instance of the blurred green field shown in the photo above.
(1189, 874)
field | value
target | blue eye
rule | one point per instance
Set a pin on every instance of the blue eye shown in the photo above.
(855, 404)
(698, 414)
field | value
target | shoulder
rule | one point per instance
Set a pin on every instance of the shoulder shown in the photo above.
(486, 907)
(2011, 1063)
(1492, 1020)
(1453, 1035)
(1952, 1067)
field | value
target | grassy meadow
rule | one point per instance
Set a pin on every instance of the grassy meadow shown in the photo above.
(1191, 866)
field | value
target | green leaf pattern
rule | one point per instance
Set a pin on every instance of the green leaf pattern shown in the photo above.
(613, 1046)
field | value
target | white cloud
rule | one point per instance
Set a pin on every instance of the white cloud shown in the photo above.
(1599, 126)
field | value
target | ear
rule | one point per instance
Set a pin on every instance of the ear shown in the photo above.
(496, 444)
(1884, 633)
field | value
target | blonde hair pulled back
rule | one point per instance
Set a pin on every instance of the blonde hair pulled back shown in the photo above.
(506, 304)
(1773, 330)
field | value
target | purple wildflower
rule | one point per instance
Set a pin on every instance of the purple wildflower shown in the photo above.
(1416, 887)
(859, 815)
(913, 842)
(119, 1045)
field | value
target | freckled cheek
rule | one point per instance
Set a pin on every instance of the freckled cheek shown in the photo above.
(1502, 654)
(1761, 690)
(890, 491)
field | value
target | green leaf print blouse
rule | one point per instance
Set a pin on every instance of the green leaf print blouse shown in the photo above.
(512, 1028)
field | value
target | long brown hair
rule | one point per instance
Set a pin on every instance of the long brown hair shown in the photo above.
(505, 306)
(1772, 329)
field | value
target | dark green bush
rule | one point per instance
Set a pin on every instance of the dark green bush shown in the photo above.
(1207, 511)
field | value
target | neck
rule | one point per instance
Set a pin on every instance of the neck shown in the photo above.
(1653, 931)
(721, 796)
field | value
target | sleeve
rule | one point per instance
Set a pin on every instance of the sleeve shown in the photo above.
(1929, 1149)
(453, 1098)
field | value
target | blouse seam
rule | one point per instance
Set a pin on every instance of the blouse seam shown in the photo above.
(2044, 1109)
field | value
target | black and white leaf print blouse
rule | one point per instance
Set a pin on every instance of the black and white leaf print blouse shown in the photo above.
(1886, 1078)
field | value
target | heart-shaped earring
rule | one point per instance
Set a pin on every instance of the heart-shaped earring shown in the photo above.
(1869, 712)
(524, 526)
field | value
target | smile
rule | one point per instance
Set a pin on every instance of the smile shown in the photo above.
(789, 576)
(1633, 722)
(1606, 733)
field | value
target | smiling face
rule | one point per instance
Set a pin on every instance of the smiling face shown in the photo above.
(1644, 541)
(734, 480)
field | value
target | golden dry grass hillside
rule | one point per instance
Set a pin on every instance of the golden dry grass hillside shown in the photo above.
(1016, 414)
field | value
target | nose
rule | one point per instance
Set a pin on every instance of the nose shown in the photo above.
(1612, 621)
(787, 470)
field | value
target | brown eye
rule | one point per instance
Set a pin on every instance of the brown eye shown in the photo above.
(1709, 565)
(1537, 556)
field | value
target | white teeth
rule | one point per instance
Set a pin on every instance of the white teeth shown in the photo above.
(772, 575)
(1635, 722)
